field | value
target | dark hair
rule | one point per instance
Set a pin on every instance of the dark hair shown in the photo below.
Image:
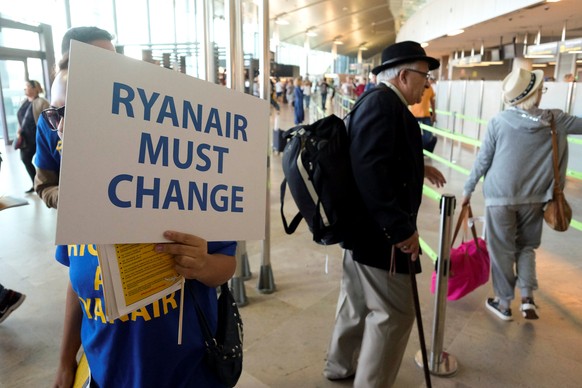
(83, 34)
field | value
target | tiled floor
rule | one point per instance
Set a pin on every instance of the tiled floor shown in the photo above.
(287, 331)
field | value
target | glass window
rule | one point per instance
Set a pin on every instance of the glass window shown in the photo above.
(162, 22)
(35, 72)
(92, 13)
(13, 82)
(186, 22)
(250, 29)
(132, 23)
(20, 39)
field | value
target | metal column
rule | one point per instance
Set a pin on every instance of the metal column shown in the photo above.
(234, 80)
(266, 283)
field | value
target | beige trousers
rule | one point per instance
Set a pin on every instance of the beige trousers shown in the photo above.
(374, 318)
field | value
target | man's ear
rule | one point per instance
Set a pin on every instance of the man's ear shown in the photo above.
(402, 77)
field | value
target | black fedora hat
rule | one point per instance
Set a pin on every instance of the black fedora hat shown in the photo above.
(402, 52)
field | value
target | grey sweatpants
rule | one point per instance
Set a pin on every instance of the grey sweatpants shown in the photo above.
(512, 233)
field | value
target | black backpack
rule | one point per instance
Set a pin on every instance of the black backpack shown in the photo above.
(318, 171)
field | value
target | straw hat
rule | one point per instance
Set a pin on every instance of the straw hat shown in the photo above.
(404, 52)
(520, 84)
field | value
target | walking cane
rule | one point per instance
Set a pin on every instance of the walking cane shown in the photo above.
(419, 322)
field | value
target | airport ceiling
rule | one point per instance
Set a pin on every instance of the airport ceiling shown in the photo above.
(371, 23)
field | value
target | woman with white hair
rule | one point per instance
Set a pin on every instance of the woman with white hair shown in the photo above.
(516, 160)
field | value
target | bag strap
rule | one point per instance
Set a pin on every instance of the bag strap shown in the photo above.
(206, 332)
(289, 228)
(555, 152)
(465, 215)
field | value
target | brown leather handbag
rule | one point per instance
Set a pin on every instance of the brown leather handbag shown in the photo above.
(558, 213)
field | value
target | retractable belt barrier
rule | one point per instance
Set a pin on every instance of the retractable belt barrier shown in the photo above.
(441, 363)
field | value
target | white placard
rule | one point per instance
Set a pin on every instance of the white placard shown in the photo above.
(147, 149)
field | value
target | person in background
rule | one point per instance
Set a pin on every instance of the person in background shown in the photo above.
(425, 113)
(27, 115)
(256, 87)
(371, 82)
(569, 78)
(273, 96)
(279, 90)
(516, 160)
(375, 310)
(143, 342)
(360, 87)
(323, 86)
(299, 112)
(332, 88)
(10, 300)
(347, 87)
(289, 91)
(347, 90)
(307, 92)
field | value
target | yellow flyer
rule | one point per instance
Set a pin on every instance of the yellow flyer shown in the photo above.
(135, 275)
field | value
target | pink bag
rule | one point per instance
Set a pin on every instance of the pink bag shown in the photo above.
(470, 265)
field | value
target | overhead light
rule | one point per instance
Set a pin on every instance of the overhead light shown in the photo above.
(311, 32)
(455, 32)
(337, 40)
(530, 56)
(280, 20)
(424, 44)
(363, 48)
(539, 65)
(552, 1)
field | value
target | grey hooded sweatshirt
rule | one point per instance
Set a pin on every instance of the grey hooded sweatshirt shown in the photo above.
(516, 156)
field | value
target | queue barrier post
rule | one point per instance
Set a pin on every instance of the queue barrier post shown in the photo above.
(440, 362)
(237, 284)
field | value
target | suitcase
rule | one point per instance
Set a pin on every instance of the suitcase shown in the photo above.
(278, 140)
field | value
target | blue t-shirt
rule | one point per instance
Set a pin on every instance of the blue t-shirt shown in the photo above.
(48, 157)
(140, 349)
(48, 147)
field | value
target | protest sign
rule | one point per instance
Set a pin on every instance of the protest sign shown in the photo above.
(147, 149)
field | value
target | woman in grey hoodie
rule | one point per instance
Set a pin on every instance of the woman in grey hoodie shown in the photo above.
(516, 160)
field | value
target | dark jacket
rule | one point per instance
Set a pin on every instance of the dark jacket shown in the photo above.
(388, 165)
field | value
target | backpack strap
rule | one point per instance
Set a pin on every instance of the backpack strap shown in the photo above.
(289, 228)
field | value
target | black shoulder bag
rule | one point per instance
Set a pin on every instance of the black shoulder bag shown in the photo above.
(224, 349)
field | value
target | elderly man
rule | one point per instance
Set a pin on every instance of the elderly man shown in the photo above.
(375, 307)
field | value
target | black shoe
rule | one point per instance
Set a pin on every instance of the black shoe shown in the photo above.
(528, 308)
(31, 190)
(12, 300)
(492, 305)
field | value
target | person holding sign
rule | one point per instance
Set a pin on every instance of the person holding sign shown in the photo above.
(139, 349)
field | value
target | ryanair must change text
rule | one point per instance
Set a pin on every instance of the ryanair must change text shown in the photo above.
(163, 193)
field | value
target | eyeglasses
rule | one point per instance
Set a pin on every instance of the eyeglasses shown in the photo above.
(53, 116)
(426, 75)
